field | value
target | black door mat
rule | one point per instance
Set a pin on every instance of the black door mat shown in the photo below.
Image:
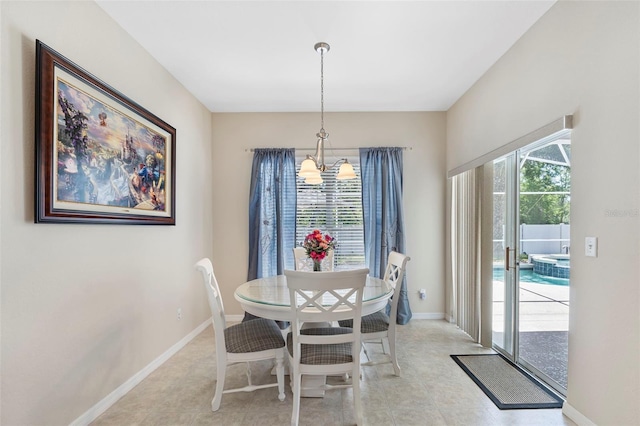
(505, 383)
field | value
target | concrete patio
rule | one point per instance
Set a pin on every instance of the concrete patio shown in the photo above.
(543, 325)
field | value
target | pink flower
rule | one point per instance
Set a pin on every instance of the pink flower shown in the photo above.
(316, 244)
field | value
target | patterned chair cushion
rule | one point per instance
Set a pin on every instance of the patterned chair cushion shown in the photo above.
(323, 354)
(373, 323)
(253, 336)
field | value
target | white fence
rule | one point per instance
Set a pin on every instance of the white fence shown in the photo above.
(544, 239)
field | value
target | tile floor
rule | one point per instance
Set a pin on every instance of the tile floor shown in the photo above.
(433, 390)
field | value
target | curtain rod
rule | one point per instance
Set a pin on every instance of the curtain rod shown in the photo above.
(335, 149)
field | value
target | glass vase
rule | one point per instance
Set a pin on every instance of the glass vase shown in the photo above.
(317, 266)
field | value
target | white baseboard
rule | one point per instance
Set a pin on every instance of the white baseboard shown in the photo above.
(428, 316)
(576, 416)
(102, 406)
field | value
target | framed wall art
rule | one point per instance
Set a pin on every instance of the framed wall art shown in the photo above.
(100, 157)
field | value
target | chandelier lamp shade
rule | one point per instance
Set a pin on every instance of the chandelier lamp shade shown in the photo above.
(312, 167)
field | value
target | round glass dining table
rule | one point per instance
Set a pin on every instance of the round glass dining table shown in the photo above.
(269, 297)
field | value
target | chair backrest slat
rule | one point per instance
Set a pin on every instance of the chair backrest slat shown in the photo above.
(394, 275)
(215, 299)
(331, 295)
(325, 297)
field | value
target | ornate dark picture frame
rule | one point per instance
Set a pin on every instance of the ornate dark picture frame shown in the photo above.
(100, 157)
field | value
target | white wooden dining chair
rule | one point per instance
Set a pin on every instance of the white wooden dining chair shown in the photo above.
(325, 297)
(254, 340)
(378, 327)
(302, 262)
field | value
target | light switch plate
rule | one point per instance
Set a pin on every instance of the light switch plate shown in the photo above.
(591, 246)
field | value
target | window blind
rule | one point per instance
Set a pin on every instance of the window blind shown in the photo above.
(465, 253)
(335, 208)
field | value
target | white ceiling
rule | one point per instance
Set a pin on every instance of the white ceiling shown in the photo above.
(258, 56)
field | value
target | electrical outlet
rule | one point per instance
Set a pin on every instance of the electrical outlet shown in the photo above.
(179, 314)
(423, 293)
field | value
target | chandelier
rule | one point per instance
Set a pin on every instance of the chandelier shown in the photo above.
(312, 167)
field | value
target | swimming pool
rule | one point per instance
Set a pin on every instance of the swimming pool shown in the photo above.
(552, 265)
(527, 275)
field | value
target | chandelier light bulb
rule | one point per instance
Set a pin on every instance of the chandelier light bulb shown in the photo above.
(314, 179)
(308, 169)
(346, 171)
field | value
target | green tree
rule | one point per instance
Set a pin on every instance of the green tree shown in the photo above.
(541, 178)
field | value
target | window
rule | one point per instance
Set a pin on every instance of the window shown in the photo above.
(334, 207)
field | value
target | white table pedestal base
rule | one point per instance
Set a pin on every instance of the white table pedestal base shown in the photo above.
(313, 382)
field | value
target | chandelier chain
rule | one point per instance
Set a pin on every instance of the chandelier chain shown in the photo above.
(321, 90)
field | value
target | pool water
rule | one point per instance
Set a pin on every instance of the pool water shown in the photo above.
(527, 275)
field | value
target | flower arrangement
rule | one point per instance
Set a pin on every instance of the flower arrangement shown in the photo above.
(317, 245)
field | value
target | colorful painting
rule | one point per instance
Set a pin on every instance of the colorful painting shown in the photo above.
(102, 157)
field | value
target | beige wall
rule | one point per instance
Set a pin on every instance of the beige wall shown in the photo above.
(424, 185)
(581, 58)
(85, 307)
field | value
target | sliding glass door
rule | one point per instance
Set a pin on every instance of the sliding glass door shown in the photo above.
(544, 198)
(505, 276)
(531, 258)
